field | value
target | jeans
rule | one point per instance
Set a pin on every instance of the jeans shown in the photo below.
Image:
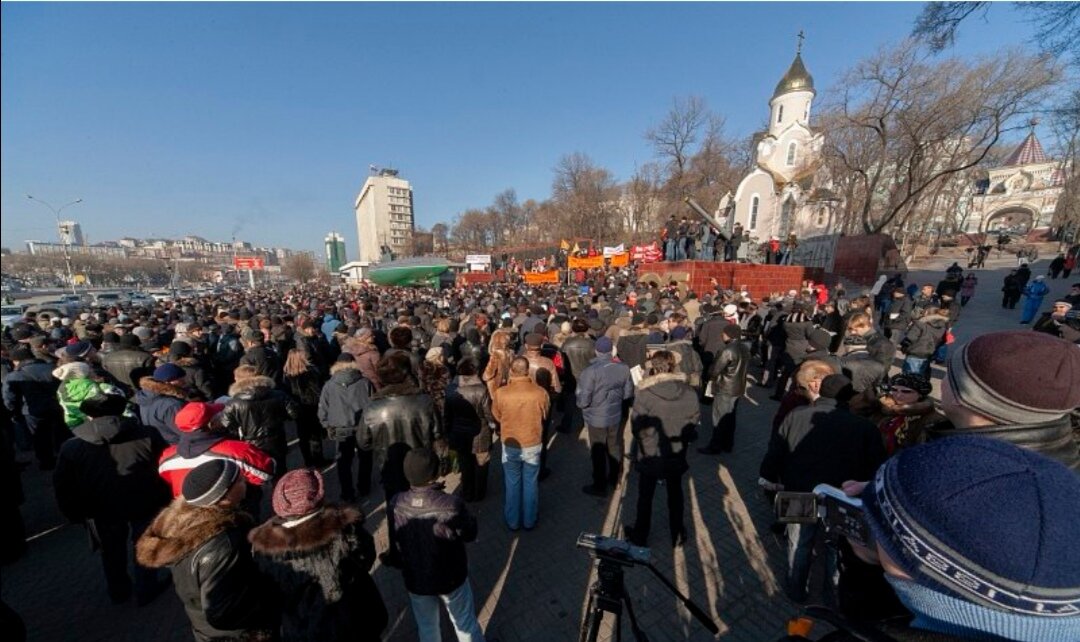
(724, 409)
(461, 607)
(916, 365)
(521, 471)
(669, 250)
(800, 557)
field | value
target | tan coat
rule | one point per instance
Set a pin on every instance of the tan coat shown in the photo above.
(520, 407)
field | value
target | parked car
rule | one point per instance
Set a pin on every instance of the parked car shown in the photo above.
(106, 299)
(140, 299)
(10, 314)
(54, 309)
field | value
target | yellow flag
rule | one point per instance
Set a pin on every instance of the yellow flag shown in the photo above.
(564, 245)
(576, 248)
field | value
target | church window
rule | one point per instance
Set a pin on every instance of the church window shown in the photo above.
(791, 154)
(754, 202)
(787, 213)
(780, 114)
(821, 217)
(806, 113)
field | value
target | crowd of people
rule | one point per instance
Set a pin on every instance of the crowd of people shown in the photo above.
(166, 426)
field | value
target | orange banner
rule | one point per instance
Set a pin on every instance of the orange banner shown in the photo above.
(585, 263)
(620, 260)
(551, 276)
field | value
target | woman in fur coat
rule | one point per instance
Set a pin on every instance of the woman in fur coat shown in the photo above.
(319, 557)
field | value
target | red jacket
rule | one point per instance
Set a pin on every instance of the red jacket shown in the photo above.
(256, 466)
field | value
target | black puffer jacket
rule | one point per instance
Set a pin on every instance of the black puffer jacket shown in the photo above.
(468, 414)
(925, 336)
(432, 530)
(321, 567)
(579, 350)
(343, 401)
(127, 366)
(256, 413)
(223, 593)
(110, 470)
(664, 419)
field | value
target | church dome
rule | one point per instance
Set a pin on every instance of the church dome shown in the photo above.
(797, 78)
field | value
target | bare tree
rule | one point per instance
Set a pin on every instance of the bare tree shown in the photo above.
(1066, 126)
(299, 267)
(440, 233)
(472, 231)
(900, 123)
(674, 138)
(1057, 24)
(585, 198)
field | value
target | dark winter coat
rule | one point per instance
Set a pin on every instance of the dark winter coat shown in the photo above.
(664, 419)
(687, 361)
(632, 347)
(223, 593)
(710, 336)
(924, 336)
(321, 567)
(399, 418)
(264, 361)
(256, 413)
(127, 366)
(898, 315)
(109, 470)
(729, 370)
(367, 357)
(822, 444)
(468, 415)
(30, 390)
(881, 349)
(343, 401)
(579, 349)
(197, 378)
(432, 530)
(602, 389)
(158, 404)
(305, 387)
(797, 328)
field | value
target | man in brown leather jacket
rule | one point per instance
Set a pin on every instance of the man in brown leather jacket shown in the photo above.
(521, 408)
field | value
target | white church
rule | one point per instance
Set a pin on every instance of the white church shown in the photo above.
(780, 196)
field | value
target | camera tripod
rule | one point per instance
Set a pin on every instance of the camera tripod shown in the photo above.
(608, 595)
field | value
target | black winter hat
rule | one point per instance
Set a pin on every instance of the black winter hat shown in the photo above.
(208, 483)
(103, 406)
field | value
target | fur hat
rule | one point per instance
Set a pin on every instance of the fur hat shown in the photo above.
(986, 377)
(208, 483)
(985, 522)
(421, 467)
(298, 492)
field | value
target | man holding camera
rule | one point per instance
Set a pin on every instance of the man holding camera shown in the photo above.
(821, 443)
(1062, 322)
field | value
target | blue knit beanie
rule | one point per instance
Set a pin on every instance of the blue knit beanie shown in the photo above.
(983, 521)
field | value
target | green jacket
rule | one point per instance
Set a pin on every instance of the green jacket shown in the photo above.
(74, 391)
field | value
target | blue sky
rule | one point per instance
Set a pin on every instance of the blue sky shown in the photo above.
(262, 118)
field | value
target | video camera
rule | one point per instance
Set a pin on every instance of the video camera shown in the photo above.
(838, 513)
(616, 550)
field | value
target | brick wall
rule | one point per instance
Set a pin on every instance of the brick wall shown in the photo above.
(472, 278)
(760, 280)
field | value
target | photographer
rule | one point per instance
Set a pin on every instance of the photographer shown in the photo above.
(1061, 322)
(929, 510)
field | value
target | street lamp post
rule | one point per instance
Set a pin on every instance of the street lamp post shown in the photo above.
(65, 239)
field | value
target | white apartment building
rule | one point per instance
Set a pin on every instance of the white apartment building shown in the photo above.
(384, 215)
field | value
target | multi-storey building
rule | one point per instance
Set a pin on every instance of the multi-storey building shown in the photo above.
(384, 216)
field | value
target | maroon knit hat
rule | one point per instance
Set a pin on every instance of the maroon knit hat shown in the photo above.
(298, 492)
(1016, 377)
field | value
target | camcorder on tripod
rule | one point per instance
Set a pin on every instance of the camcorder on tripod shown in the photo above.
(841, 516)
(608, 592)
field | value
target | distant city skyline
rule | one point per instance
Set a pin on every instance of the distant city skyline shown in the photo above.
(261, 120)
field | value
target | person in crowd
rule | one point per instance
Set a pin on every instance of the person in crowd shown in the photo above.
(906, 411)
(398, 418)
(256, 413)
(822, 443)
(521, 407)
(202, 538)
(319, 557)
(341, 406)
(926, 298)
(1033, 298)
(77, 384)
(923, 338)
(1011, 291)
(728, 377)
(1058, 322)
(967, 288)
(402, 339)
(796, 327)
(496, 374)
(604, 391)
(469, 425)
(664, 421)
(256, 355)
(202, 438)
(226, 357)
(990, 392)
(128, 363)
(106, 478)
(29, 392)
(433, 528)
(897, 316)
(160, 397)
(929, 510)
(578, 351)
(435, 376)
(310, 339)
(362, 347)
(198, 380)
(301, 379)
(1057, 264)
